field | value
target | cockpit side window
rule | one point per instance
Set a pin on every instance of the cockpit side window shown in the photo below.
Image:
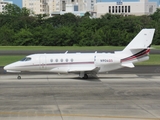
(23, 59)
(26, 59)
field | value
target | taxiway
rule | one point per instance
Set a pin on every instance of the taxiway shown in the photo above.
(66, 97)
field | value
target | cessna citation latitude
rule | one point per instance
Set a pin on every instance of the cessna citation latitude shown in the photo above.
(87, 63)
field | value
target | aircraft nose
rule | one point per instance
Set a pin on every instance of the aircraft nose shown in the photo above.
(11, 68)
(6, 67)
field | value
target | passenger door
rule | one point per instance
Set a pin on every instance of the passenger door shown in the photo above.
(42, 62)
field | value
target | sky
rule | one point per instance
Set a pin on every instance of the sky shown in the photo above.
(158, 1)
(17, 2)
(122, 0)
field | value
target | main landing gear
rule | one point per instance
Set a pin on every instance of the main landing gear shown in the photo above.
(83, 75)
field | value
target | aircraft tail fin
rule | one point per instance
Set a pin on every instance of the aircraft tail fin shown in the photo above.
(138, 49)
(142, 40)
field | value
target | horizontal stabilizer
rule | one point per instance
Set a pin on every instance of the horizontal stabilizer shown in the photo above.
(130, 65)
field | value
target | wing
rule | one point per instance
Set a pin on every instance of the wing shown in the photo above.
(84, 69)
(87, 69)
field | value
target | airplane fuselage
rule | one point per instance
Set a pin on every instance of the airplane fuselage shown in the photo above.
(67, 63)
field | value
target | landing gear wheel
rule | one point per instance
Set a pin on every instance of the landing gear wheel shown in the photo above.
(19, 77)
(85, 76)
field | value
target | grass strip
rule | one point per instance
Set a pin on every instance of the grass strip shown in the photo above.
(61, 48)
(65, 48)
(7, 59)
(154, 59)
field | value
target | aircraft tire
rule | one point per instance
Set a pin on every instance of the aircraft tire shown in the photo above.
(85, 76)
(19, 77)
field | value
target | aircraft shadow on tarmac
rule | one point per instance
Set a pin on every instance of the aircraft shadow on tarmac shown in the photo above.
(91, 78)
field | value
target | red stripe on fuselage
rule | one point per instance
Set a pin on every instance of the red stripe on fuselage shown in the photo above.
(67, 63)
(135, 56)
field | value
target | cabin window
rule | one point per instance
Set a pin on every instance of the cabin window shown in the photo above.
(71, 60)
(66, 60)
(51, 60)
(56, 60)
(61, 60)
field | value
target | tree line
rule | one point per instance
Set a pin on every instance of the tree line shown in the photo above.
(18, 26)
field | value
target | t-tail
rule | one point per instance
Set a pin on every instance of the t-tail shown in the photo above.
(138, 49)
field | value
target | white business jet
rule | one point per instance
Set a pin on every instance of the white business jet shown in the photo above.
(87, 63)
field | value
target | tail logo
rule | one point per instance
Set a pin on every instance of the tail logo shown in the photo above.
(138, 55)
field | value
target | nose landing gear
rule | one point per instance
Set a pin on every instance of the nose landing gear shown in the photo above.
(18, 77)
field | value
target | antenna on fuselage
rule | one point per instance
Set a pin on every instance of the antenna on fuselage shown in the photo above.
(66, 52)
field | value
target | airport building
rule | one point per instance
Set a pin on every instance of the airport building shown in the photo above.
(77, 7)
(39, 6)
(3, 4)
(139, 7)
(53, 7)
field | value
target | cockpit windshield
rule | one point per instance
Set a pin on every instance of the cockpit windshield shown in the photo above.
(26, 59)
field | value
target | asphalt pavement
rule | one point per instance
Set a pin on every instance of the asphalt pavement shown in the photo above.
(139, 69)
(66, 97)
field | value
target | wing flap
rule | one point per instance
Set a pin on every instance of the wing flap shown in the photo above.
(130, 65)
(13, 71)
(75, 69)
(84, 69)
